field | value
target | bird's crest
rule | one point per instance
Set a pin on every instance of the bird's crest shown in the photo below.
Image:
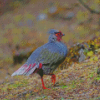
(52, 31)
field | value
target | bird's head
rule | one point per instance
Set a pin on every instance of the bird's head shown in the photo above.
(55, 35)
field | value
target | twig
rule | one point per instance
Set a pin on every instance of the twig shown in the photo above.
(88, 8)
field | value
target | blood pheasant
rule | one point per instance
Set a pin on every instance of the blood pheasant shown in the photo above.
(45, 59)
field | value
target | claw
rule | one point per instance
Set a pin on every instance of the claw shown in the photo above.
(46, 88)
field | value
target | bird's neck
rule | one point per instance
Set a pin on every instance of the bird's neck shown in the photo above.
(52, 38)
(59, 38)
(62, 46)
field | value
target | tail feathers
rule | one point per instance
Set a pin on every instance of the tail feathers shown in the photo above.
(25, 69)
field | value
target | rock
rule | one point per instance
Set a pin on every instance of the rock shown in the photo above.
(86, 46)
(82, 56)
(52, 9)
(69, 15)
(42, 16)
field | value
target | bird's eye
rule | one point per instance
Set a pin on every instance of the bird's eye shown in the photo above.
(58, 33)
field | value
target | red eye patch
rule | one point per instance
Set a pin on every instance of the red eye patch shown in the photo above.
(58, 34)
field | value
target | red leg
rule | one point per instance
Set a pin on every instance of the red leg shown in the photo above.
(53, 78)
(40, 65)
(43, 84)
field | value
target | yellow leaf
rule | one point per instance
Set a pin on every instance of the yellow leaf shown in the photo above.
(97, 33)
(92, 43)
(27, 95)
(96, 58)
(90, 53)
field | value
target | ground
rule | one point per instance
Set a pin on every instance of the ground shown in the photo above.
(79, 82)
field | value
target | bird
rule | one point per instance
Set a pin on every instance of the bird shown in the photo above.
(45, 59)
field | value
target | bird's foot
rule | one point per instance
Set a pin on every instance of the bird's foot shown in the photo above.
(43, 84)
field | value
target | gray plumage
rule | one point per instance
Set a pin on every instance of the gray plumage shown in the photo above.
(50, 55)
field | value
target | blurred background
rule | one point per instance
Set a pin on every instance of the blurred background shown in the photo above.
(24, 25)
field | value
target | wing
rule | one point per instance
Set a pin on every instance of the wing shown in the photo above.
(45, 54)
(50, 55)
